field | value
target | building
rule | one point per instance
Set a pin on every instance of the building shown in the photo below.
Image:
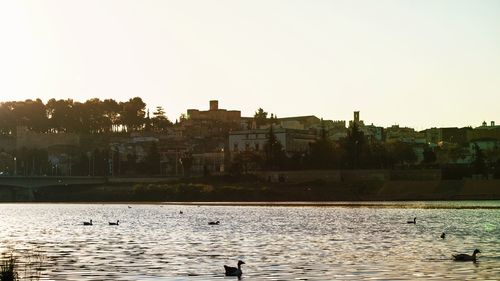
(292, 140)
(484, 132)
(205, 131)
(337, 131)
(214, 114)
(356, 120)
(456, 135)
(300, 122)
(28, 139)
(208, 163)
(404, 134)
(373, 133)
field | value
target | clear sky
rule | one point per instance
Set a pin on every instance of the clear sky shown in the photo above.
(413, 63)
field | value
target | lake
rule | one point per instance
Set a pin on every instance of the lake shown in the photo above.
(342, 241)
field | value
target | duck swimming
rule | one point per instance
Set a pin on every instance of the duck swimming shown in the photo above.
(233, 271)
(114, 223)
(414, 221)
(443, 235)
(213, 222)
(465, 257)
(87, 222)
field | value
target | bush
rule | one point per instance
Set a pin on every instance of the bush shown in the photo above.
(8, 269)
(30, 266)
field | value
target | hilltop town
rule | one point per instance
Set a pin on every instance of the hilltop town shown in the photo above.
(106, 138)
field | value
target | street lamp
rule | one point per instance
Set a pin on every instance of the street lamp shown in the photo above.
(15, 166)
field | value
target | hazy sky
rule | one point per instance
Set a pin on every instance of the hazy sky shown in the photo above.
(412, 63)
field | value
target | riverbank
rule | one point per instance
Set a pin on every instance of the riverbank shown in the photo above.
(255, 190)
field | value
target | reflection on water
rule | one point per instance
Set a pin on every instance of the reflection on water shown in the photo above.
(156, 242)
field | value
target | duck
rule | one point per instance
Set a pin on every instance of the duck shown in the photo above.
(443, 235)
(114, 223)
(465, 257)
(213, 222)
(87, 222)
(414, 221)
(181, 212)
(234, 271)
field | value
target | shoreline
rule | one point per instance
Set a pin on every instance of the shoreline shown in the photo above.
(224, 192)
(402, 204)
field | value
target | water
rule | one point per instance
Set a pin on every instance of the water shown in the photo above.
(155, 242)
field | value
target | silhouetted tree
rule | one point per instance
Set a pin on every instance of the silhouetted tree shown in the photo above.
(160, 121)
(354, 144)
(153, 160)
(260, 117)
(479, 163)
(274, 154)
(401, 153)
(429, 155)
(133, 113)
(186, 162)
(322, 152)
(244, 162)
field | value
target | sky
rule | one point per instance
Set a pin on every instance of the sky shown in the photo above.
(419, 63)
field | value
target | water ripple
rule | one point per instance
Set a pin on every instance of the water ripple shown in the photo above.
(155, 242)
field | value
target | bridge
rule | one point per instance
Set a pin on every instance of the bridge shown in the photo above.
(42, 181)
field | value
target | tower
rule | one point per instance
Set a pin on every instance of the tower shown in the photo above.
(214, 105)
(356, 117)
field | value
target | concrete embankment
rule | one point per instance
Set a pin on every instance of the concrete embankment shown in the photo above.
(433, 190)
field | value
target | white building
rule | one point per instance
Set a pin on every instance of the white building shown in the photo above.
(292, 140)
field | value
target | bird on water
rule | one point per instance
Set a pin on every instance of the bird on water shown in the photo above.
(114, 223)
(466, 257)
(414, 221)
(214, 223)
(234, 271)
(87, 222)
(443, 235)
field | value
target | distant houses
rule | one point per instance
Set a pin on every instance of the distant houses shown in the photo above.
(217, 141)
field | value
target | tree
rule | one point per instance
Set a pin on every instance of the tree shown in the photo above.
(111, 113)
(153, 160)
(321, 153)
(479, 163)
(160, 121)
(62, 117)
(429, 155)
(274, 154)
(133, 114)
(260, 117)
(401, 153)
(244, 162)
(354, 145)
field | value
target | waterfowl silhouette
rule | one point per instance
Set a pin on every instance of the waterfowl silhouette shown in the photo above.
(213, 222)
(87, 222)
(414, 221)
(465, 257)
(181, 212)
(443, 235)
(114, 223)
(234, 271)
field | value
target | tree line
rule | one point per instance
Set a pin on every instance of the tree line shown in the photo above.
(93, 116)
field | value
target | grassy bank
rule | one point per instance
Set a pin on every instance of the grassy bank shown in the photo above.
(253, 189)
